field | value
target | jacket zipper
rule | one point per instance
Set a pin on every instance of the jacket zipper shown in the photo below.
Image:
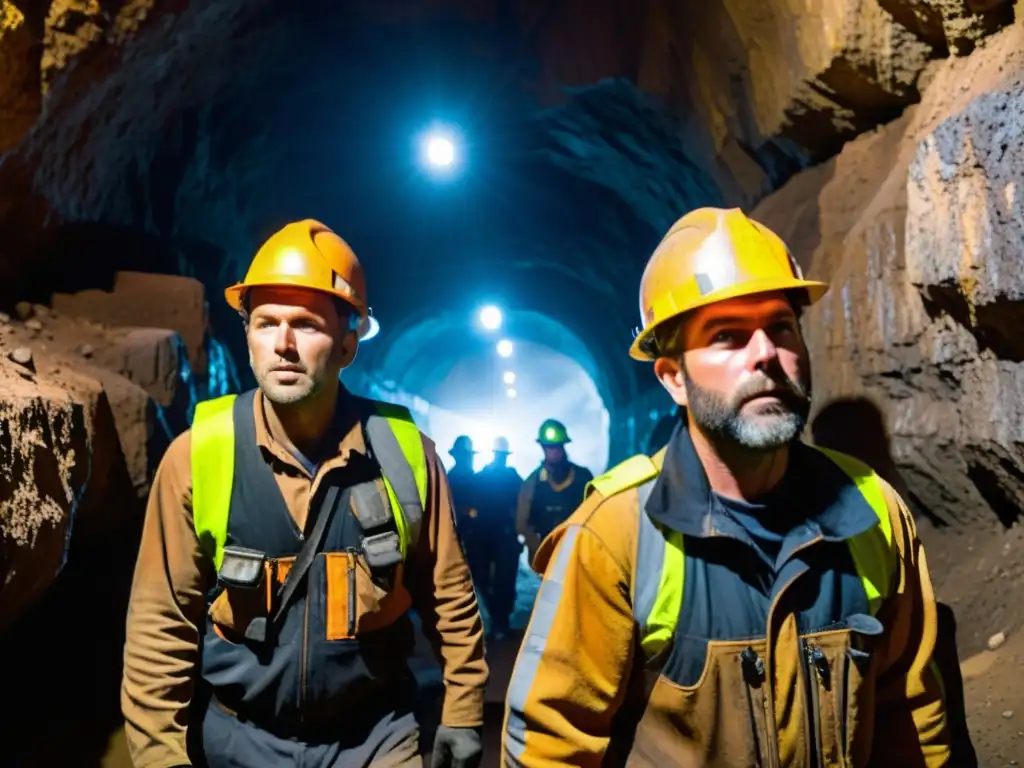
(351, 558)
(302, 670)
(843, 724)
(814, 658)
(769, 698)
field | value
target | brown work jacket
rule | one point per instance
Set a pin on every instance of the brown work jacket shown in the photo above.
(728, 690)
(166, 615)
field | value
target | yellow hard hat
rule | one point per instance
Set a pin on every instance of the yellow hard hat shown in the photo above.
(711, 255)
(308, 254)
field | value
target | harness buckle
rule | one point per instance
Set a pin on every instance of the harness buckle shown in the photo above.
(382, 550)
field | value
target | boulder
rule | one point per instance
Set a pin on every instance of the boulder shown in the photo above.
(956, 25)
(44, 468)
(141, 299)
(82, 439)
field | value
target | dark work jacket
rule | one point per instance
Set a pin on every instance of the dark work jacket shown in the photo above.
(549, 508)
(300, 683)
(729, 586)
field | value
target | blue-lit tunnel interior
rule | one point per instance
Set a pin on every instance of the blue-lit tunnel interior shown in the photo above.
(449, 370)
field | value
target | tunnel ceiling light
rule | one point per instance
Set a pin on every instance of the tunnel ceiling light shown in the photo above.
(439, 151)
(505, 348)
(511, 393)
(509, 378)
(490, 317)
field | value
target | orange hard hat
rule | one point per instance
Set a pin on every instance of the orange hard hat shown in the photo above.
(711, 255)
(308, 254)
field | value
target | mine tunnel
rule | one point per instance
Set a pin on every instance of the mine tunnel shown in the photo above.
(503, 171)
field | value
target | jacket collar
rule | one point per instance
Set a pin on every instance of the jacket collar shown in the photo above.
(681, 498)
(346, 434)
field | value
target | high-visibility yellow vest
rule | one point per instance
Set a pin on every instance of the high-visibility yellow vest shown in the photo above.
(658, 591)
(392, 433)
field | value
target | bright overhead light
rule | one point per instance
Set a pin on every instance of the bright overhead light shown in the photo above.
(439, 150)
(504, 348)
(509, 377)
(511, 393)
(490, 318)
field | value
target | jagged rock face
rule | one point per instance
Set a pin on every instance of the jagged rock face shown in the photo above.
(88, 410)
(672, 105)
(918, 228)
(956, 25)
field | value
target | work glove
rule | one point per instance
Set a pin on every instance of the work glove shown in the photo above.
(456, 748)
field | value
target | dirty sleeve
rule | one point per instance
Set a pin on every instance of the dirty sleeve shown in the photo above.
(571, 675)
(444, 596)
(165, 611)
(911, 727)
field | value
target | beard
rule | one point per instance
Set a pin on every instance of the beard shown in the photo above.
(301, 388)
(771, 426)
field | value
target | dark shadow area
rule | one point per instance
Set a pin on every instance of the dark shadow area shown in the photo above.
(989, 475)
(991, 324)
(62, 661)
(856, 426)
(948, 660)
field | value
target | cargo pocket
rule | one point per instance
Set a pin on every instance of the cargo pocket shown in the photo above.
(356, 604)
(240, 611)
(718, 722)
(840, 663)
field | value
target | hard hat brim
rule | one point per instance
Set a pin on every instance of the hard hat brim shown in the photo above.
(233, 294)
(554, 442)
(815, 290)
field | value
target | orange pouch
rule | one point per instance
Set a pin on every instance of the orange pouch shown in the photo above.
(355, 603)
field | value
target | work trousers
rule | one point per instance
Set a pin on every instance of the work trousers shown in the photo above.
(229, 742)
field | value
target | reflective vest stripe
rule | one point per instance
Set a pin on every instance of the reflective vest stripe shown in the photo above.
(659, 576)
(213, 471)
(662, 600)
(404, 471)
(872, 553)
(398, 448)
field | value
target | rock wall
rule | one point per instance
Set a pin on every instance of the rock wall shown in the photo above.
(919, 227)
(88, 410)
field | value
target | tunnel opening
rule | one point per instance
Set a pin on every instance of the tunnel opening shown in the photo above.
(457, 381)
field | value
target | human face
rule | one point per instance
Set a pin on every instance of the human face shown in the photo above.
(554, 454)
(744, 374)
(298, 343)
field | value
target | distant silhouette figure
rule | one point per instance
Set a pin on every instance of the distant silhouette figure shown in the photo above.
(856, 426)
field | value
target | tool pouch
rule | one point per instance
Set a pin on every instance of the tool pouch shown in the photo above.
(242, 568)
(241, 607)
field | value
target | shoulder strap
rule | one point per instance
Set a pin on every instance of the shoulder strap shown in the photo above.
(874, 554)
(632, 472)
(213, 472)
(334, 497)
(397, 446)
